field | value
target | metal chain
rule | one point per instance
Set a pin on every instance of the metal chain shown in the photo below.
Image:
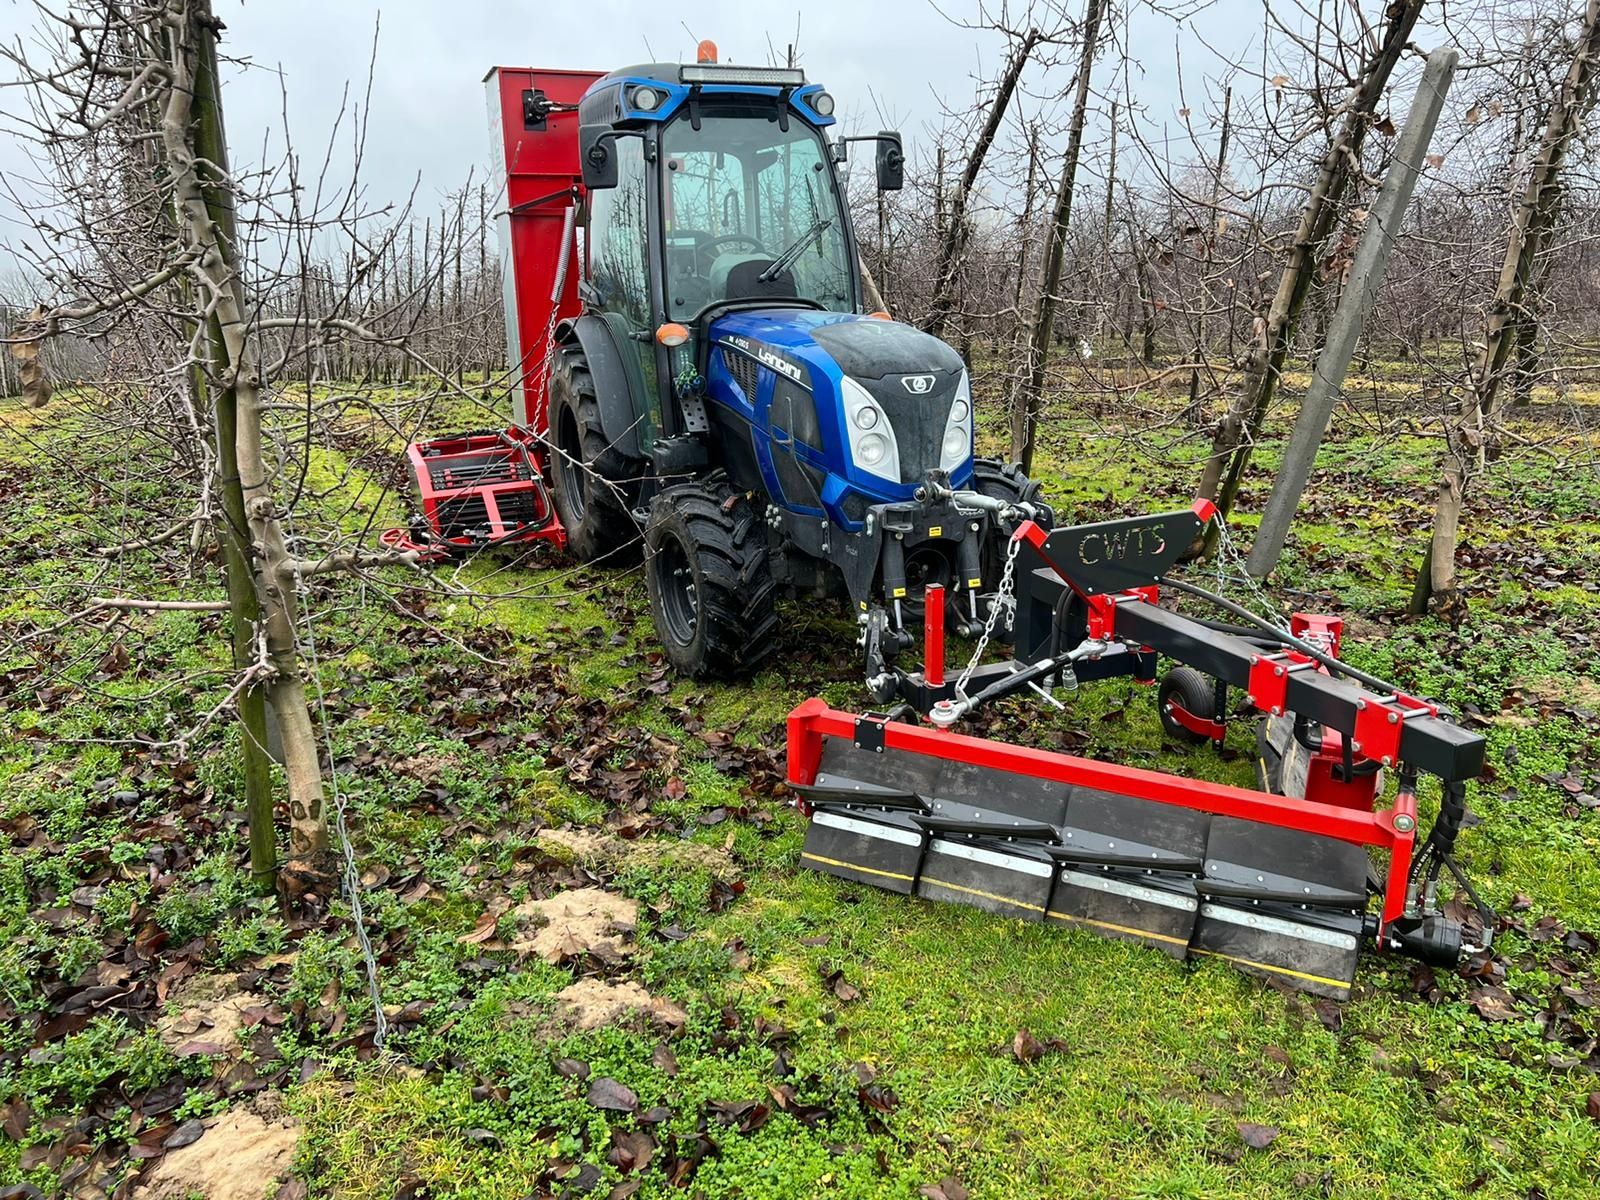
(351, 872)
(1231, 568)
(1004, 598)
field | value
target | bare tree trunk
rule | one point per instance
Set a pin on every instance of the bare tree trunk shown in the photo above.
(211, 149)
(1147, 303)
(1525, 347)
(217, 274)
(1235, 436)
(952, 246)
(1469, 431)
(1024, 240)
(1196, 409)
(1024, 434)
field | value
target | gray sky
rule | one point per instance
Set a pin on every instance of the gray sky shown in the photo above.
(427, 120)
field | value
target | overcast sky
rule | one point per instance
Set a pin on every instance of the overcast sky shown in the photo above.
(885, 61)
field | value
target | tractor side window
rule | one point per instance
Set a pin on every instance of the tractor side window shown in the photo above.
(618, 236)
(619, 269)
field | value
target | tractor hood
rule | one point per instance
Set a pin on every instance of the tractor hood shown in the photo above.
(852, 363)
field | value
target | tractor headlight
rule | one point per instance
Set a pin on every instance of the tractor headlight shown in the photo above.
(872, 445)
(646, 99)
(957, 445)
(823, 104)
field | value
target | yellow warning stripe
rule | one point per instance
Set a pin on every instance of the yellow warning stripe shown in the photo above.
(1261, 966)
(1128, 929)
(956, 887)
(850, 866)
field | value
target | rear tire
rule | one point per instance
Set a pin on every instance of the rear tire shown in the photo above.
(710, 584)
(1195, 693)
(591, 481)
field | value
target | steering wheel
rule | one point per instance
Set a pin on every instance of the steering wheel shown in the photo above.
(711, 244)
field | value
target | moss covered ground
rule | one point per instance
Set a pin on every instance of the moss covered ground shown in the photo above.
(836, 1041)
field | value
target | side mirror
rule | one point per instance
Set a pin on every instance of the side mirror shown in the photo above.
(597, 156)
(891, 162)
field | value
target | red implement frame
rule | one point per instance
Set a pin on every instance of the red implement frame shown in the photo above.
(813, 721)
(486, 488)
(486, 483)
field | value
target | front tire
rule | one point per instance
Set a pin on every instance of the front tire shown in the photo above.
(710, 583)
(590, 480)
(1005, 481)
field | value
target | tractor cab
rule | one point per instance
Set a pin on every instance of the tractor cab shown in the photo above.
(696, 378)
(713, 191)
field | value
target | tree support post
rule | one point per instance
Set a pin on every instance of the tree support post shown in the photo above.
(1355, 304)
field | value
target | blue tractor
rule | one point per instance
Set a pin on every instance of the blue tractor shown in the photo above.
(725, 388)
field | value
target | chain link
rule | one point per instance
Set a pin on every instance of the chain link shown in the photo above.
(1004, 598)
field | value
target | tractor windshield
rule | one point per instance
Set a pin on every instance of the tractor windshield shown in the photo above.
(751, 212)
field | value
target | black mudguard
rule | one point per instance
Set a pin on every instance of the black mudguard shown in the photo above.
(619, 408)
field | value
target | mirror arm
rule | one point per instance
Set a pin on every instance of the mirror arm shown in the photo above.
(598, 152)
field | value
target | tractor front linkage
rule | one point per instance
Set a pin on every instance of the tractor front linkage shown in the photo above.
(1277, 880)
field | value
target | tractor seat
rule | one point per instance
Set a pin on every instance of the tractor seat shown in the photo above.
(737, 277)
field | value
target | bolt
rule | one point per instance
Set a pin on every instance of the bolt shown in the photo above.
(1277, 710)
(1361, 706)
(1405, 822)
(1388, 760)
(1394, 718)
(1356, 746)
(1277, 670)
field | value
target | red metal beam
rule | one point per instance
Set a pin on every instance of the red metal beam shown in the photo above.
(933, 636)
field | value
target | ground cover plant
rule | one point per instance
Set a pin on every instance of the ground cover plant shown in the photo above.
(602, 971)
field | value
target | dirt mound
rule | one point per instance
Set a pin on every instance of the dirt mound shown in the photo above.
(574, 923)
(607, 850)
(591, 1003)
(243, 1155)
(211, 1012)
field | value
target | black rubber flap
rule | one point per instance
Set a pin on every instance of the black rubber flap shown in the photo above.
(1284, 861)
(845, 766)
(1314, 948)
(1122, 831)
(1024, 797)
(1153, 908)
(871, 846)
(1012, 879)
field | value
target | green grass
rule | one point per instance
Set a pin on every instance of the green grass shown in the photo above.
(547, 704)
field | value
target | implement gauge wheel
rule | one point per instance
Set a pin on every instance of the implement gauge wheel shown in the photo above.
(1196, 693)
(591, 481)
(711, 588)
